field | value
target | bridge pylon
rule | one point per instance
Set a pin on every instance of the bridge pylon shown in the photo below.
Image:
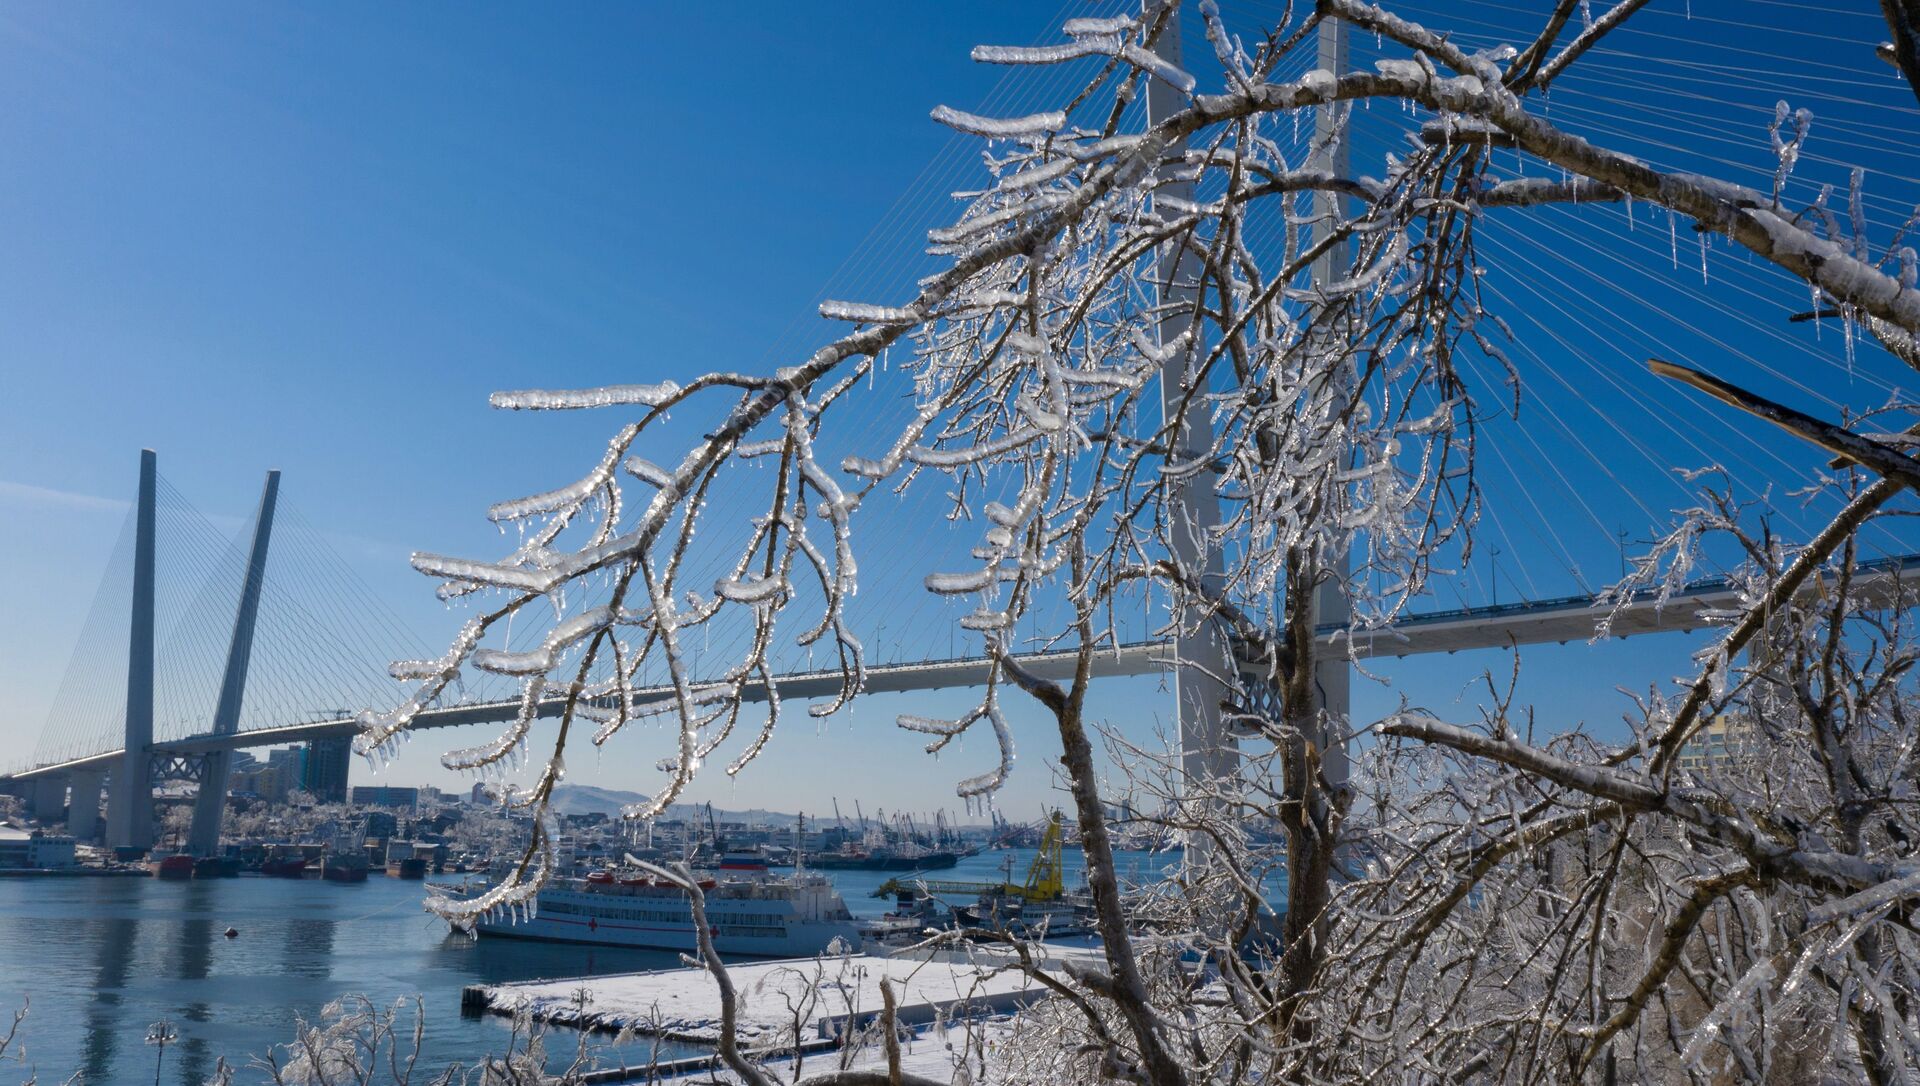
(130, 807)
(209, 806)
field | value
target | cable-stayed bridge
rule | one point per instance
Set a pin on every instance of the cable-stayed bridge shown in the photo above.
(285, 672)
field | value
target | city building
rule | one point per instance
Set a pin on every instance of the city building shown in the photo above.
(384, 795)
(1721, 743)
(325, 774)
(270, 782)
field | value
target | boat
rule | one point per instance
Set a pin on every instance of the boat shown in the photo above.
(344, 867)
(216, 867)
(170, 865)
(906, 857)
(407, 867)
(750, 913)
(1067, 916)
(286, 861)
(908, 921)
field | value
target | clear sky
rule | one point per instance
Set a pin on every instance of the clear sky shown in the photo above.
(315, 238)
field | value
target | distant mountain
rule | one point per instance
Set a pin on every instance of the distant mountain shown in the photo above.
(580, 799)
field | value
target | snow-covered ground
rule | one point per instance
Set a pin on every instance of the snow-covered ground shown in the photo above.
(812, 998)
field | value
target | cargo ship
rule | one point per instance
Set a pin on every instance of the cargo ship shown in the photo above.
(288, 861)
(344, 867)
(902, 857)
(407, 867)
(750, 912)
(170, 865)
(216, 867)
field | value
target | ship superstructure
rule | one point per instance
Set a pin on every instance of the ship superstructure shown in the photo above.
(749, 913)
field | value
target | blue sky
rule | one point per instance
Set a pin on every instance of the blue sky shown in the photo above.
(316, 238)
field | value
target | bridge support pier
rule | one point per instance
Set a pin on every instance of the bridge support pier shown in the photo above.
(83, 809)
(1209, 753)
(210, 805)
(47, 798)
(130, 808)
(1333, 671)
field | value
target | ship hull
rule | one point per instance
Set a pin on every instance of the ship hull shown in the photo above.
(216, 867)
(172, 867)
(801, 941)
(744, 920)
(933, 861)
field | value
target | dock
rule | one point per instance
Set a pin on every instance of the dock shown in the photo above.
(802, 1002)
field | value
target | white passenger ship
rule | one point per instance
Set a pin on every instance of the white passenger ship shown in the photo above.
(750, 913)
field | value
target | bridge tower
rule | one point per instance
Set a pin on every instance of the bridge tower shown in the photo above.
(1208, 749)
(130, 806)
(209, 806)
(1333, 671)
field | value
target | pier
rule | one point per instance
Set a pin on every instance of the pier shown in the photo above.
(798, 1001)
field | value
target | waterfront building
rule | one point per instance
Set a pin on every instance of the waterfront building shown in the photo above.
(35, 850)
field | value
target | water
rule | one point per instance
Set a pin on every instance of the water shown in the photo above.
(103, 959)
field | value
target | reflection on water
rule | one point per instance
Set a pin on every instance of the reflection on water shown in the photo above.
(104, 1017)
(103, 959)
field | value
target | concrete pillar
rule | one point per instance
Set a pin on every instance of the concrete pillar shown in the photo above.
(130, 808)
(47, 798)
(1332, 671)
(1207, 748)
(209, 807)
(83, 807)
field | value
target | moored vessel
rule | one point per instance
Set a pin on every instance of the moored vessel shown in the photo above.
(903, 857)
(216, 867)
(407, 867)
(344, 867)
(170, 865)
(749, 913)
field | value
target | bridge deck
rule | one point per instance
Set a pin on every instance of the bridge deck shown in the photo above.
(1573, 618)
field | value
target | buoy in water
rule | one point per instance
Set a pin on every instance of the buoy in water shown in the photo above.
(232, 933)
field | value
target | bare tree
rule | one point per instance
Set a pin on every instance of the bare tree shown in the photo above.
(1125, 322)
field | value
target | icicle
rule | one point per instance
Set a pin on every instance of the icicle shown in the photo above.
(1673, 236)
(1703, 257)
